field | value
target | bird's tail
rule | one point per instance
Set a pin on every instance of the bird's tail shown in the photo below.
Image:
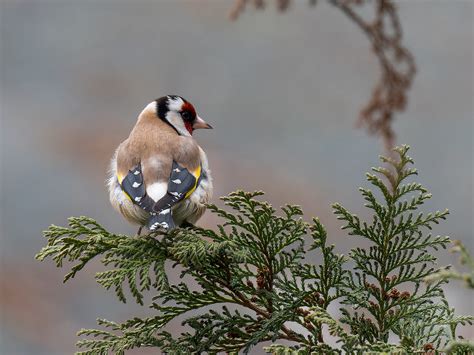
(162, 220)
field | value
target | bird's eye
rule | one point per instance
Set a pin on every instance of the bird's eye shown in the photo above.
(186, 115)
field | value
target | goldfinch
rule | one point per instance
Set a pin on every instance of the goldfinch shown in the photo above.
(159, 176)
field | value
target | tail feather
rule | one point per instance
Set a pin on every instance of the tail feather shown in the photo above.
(162, 220)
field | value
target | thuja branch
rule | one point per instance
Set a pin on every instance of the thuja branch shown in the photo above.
(244, 263)
(397, 258)
(465, 259)
(256, 262)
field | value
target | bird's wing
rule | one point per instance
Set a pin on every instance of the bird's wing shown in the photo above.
(181, 185)
(134, 186)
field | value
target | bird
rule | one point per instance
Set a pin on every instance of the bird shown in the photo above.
(159, 177)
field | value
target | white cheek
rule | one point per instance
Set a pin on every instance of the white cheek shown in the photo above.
(175, 119)
(157, 190)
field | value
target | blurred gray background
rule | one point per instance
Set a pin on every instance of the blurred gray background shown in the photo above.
(282, 90)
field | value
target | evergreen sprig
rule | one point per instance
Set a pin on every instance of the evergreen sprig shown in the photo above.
(465, 259)
(252, 280)
(388, 293)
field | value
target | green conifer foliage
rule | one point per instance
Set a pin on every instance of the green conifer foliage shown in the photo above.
(251, 280)
(388, 295)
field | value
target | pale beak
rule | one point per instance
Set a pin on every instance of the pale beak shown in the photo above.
(200, 123)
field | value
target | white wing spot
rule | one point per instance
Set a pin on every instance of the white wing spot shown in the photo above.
(138, 198)
(165, 211)
(176, 181)
(136, 184)
(136, 172)
(176, 170)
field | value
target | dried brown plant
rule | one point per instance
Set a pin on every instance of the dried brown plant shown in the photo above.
(396, 61)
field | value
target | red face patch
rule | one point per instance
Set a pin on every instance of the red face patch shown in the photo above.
(189, 116)
(190, 108)
(189, 126)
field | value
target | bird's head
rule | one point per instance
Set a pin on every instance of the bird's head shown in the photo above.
(179, 114)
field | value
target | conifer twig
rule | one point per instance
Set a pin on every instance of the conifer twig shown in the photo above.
(256, 260)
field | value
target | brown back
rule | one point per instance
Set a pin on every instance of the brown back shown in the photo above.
(155, 145)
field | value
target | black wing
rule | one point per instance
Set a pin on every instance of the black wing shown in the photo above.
(181, 184)
(134, 186)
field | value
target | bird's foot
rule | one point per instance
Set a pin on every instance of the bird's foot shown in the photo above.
(139, 232)
(188, 225)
